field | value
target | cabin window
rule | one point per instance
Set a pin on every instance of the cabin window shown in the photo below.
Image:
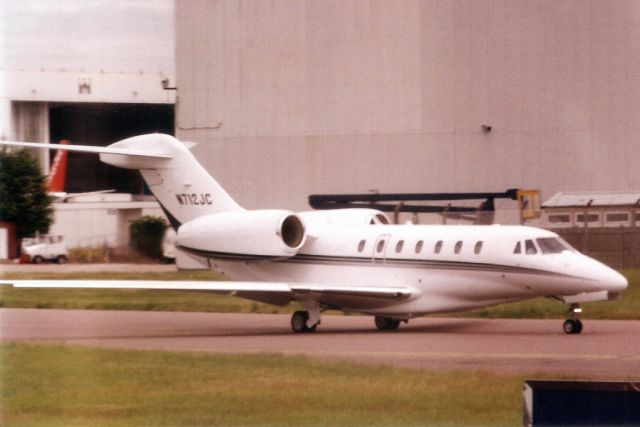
(438, 247)
(419, 246)
(361, 245)
(399, 246)
(530, 247)
(562, 219)
(477, 248)
(518, 249)
(380, 246)
(458, 247)
(551, 245)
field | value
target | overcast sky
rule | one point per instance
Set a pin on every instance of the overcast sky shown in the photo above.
(90, 35)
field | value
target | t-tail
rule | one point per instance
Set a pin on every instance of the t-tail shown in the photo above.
(184, 189)
(209, 223)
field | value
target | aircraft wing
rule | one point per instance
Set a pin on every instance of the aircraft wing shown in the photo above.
(293, 290)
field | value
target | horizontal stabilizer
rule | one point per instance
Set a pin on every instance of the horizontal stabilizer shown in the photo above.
(89, 149)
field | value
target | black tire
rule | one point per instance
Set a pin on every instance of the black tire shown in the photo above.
(62, 259)
(299, 322)
(578, 327)
(37, 259)
(570, 326)
(386, 323)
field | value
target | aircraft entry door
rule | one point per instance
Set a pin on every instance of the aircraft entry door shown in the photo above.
(380, 249)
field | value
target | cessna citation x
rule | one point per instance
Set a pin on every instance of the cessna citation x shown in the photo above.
(351, 259)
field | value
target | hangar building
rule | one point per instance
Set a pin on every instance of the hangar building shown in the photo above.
(84, 107)
(291, 98)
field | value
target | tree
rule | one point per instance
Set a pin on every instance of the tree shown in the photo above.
(23, 196)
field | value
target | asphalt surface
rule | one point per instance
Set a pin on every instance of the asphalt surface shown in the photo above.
(604, 350)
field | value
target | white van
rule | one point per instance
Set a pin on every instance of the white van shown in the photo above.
(44, 248)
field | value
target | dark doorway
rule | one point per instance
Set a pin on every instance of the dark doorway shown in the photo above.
(104, 124)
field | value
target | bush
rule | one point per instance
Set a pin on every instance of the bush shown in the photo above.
(88, 255)
(146, 235)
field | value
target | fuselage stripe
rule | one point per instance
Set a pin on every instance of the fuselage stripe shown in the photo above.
(369, 261)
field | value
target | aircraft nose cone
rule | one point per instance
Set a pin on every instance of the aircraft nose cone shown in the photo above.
(617, 282)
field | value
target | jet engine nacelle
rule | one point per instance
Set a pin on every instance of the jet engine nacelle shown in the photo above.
(243, 235)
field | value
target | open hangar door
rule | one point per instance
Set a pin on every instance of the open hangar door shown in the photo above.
(102, 124)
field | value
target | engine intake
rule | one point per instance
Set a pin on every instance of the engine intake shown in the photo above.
(242, 235)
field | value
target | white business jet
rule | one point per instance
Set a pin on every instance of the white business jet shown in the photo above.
(352, 259)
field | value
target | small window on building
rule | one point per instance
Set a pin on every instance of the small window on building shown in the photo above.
(589, 217)
(530, 247)
(380, 246)
(618, 217)
(438, 247)
(458, 247)
(419, 246)
(399, 246)
(477, 248)
(560, 219)
(518, 249)
(361, 245)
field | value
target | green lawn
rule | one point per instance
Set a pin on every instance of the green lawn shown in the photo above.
(627, 308)
(48, 385)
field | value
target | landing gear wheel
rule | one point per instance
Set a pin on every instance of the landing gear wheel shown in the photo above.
(299, 322)
(37, 259)
(579, 326)
(386, 323)
(572, 326)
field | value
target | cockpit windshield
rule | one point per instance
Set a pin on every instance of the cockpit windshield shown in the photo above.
(553, 245)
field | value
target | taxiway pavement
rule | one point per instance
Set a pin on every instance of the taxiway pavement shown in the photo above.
(605, 349)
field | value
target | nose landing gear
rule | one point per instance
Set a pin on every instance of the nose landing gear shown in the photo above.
(573, 325)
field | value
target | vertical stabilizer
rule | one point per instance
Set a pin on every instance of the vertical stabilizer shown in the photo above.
(182, 186)
(58, 171)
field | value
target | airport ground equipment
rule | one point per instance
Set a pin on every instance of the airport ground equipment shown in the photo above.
(483, 213)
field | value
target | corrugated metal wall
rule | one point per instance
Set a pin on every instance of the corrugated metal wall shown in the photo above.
(292, 98)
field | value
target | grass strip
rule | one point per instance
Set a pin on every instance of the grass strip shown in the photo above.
(52, 385)
(541, 308)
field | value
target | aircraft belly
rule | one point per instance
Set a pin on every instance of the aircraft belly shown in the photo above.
(441, 290)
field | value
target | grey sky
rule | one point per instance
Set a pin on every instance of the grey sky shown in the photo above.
(114, 35)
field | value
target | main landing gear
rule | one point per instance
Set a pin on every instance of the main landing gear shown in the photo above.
(386, 323)
(306, 320)
(573, 325)
(299, 322)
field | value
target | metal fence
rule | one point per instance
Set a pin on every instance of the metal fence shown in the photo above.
(618, 247)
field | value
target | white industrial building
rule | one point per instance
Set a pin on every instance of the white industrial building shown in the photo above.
(29, 97)
(291, 98)
(94, 108)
